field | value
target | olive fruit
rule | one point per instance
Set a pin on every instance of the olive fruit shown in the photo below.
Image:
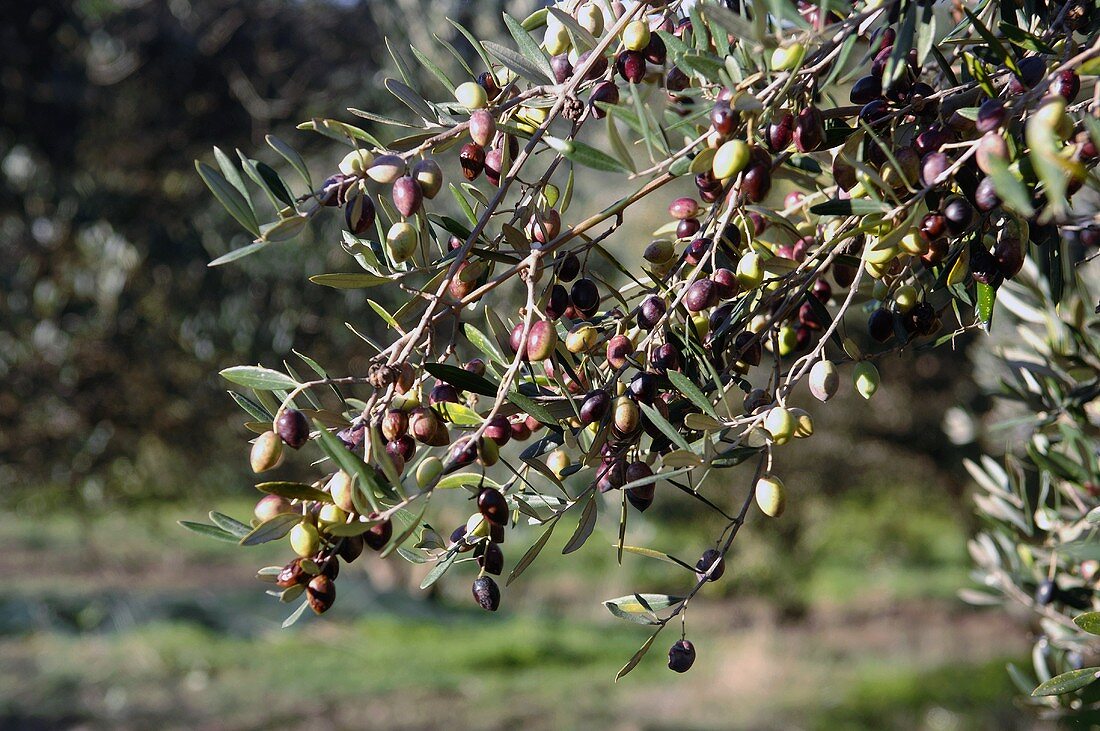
(486, 593)
(641, 497)
(1066, 85)
(631, 66)
(585, 295)
(356, 162)
(618, 348)
(710, 558)
(651, 312)
(471, 95)
(611, 474)
(604, 92)
(293, 428)
(499, 430)
(401, 241)
(701, 295)
(866, 89)
(291, 575)
(750, 270)
(428, 175)
(321, 593)
(636, 35)
(809, 130)
(681, 656)
(959, 214)
(682, 208)
(625, 416)
(643, 387)
(595, 406)
(991, 115)
(771, 496)
(1045, 592)
(490, 558)
(866, 378)
(786, 58)
(730, 159)
(780, 424)
(407, 196)
(780, 132)
(569, 267)
(1032, 70)
(581, 339)
(359, 214)
(304, 539)
(269, 506)
(880, 326)
(561, 67)
(379, 534)
(472, 159)
(267, 452)
(756, 183)
(483, 127)
(428, 471)
(491, 504)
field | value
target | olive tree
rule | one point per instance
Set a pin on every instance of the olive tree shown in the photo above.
(864, 179)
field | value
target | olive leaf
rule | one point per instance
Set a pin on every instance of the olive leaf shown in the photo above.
(584, 527)
(294, 491)
(271, 530)
(462, 379)
(229, 196)
(256, 377)
(1067, 682)
(210, 531)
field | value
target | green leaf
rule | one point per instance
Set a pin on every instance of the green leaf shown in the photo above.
(1010, 189)
(437, 72)
(1067, 682)
(519, 63)
(412, 100)
(474, 42)
(294, 491)
(993, 41)
(229, 197)
(533, 408)
(232, 173)
(584, 527)
(283, 230)
(291, 156)
(687, 387)
(637, 603)
(238, 253)
(667, 429)
(272, 529)
(439, 569)
(230, 525)
(1023, 39)
(987, 295)
(265, 176)
(462, 379)
(637, 656)
(586, 155)
(483, 343)
(651, 553)
(849, 207)
(617, 144)
(531, 553)
(296, 614)
(582, 39)
(529, 47)
(261, 379)
(1089, 621)
(210, 531)
(350, 280)
(340, 131)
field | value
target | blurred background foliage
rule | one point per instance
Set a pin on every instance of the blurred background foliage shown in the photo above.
(112, 330)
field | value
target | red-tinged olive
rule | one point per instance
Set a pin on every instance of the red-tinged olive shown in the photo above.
(542, 338)
(682, 208)
(482, 127)
(520, 431)
(499, 430)
(641, 497)
(472, 159)
(378, 535)
(403, 446)
(878, 64)
(643, 387)
(618, 348)
(844, 275)
(809, 130)
(687, 228)
(599, 66)
(710, 557)
(490, 558)
(676, 80)
(959, 214)
(595, 406)
(494, 163)
(475, 365)
(291, 575)
(880, 326)
(270, 506)
(822, 290)
(321, 593)
(723, 119)
(293, 428)
(874, 111)
(585, 295)
(351, 548)
(932, 139)
(610, 475)
(701, 295)
(394, 423)
(985, 197)
(463, 453)
(747, 348)
(756, 183)
(655, 51)
(492, 505)
(780, 132)
(666, 357)
(889, 35)
(443, 393)
(720, 315)
(1089, 236)
(569, 268)
(937, 250)
(1032, 70)
(725, 283)
(866, 89)
(984, 267)
(697, 250)
(631, 66)
(359, 214)
(651, 311)
(606, 93)
(544, 226)
(407, 196)
(638, 470)
(563, 70)
(932, 166)
(681, 656)
(488, 82)
(991, 115)
(486, 593)
(1009, 254)
(423, 424)
(1066, 85)
(933, 226)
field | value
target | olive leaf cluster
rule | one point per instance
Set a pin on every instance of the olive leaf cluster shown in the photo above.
(822, 234)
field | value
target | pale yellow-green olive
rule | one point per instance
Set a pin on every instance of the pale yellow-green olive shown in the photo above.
(750, 270)
(590, 17)
(401, 241)
(905, 298)
(730, 159)
(636, 35)
(771, 496)
(866, 378)
(471, 95)
(786, 58)
(356, 162)
(781, 424)
(267, 452)
(823, 380)
(556, 39)
(340, 488)
(428, 471)
(304, 539)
